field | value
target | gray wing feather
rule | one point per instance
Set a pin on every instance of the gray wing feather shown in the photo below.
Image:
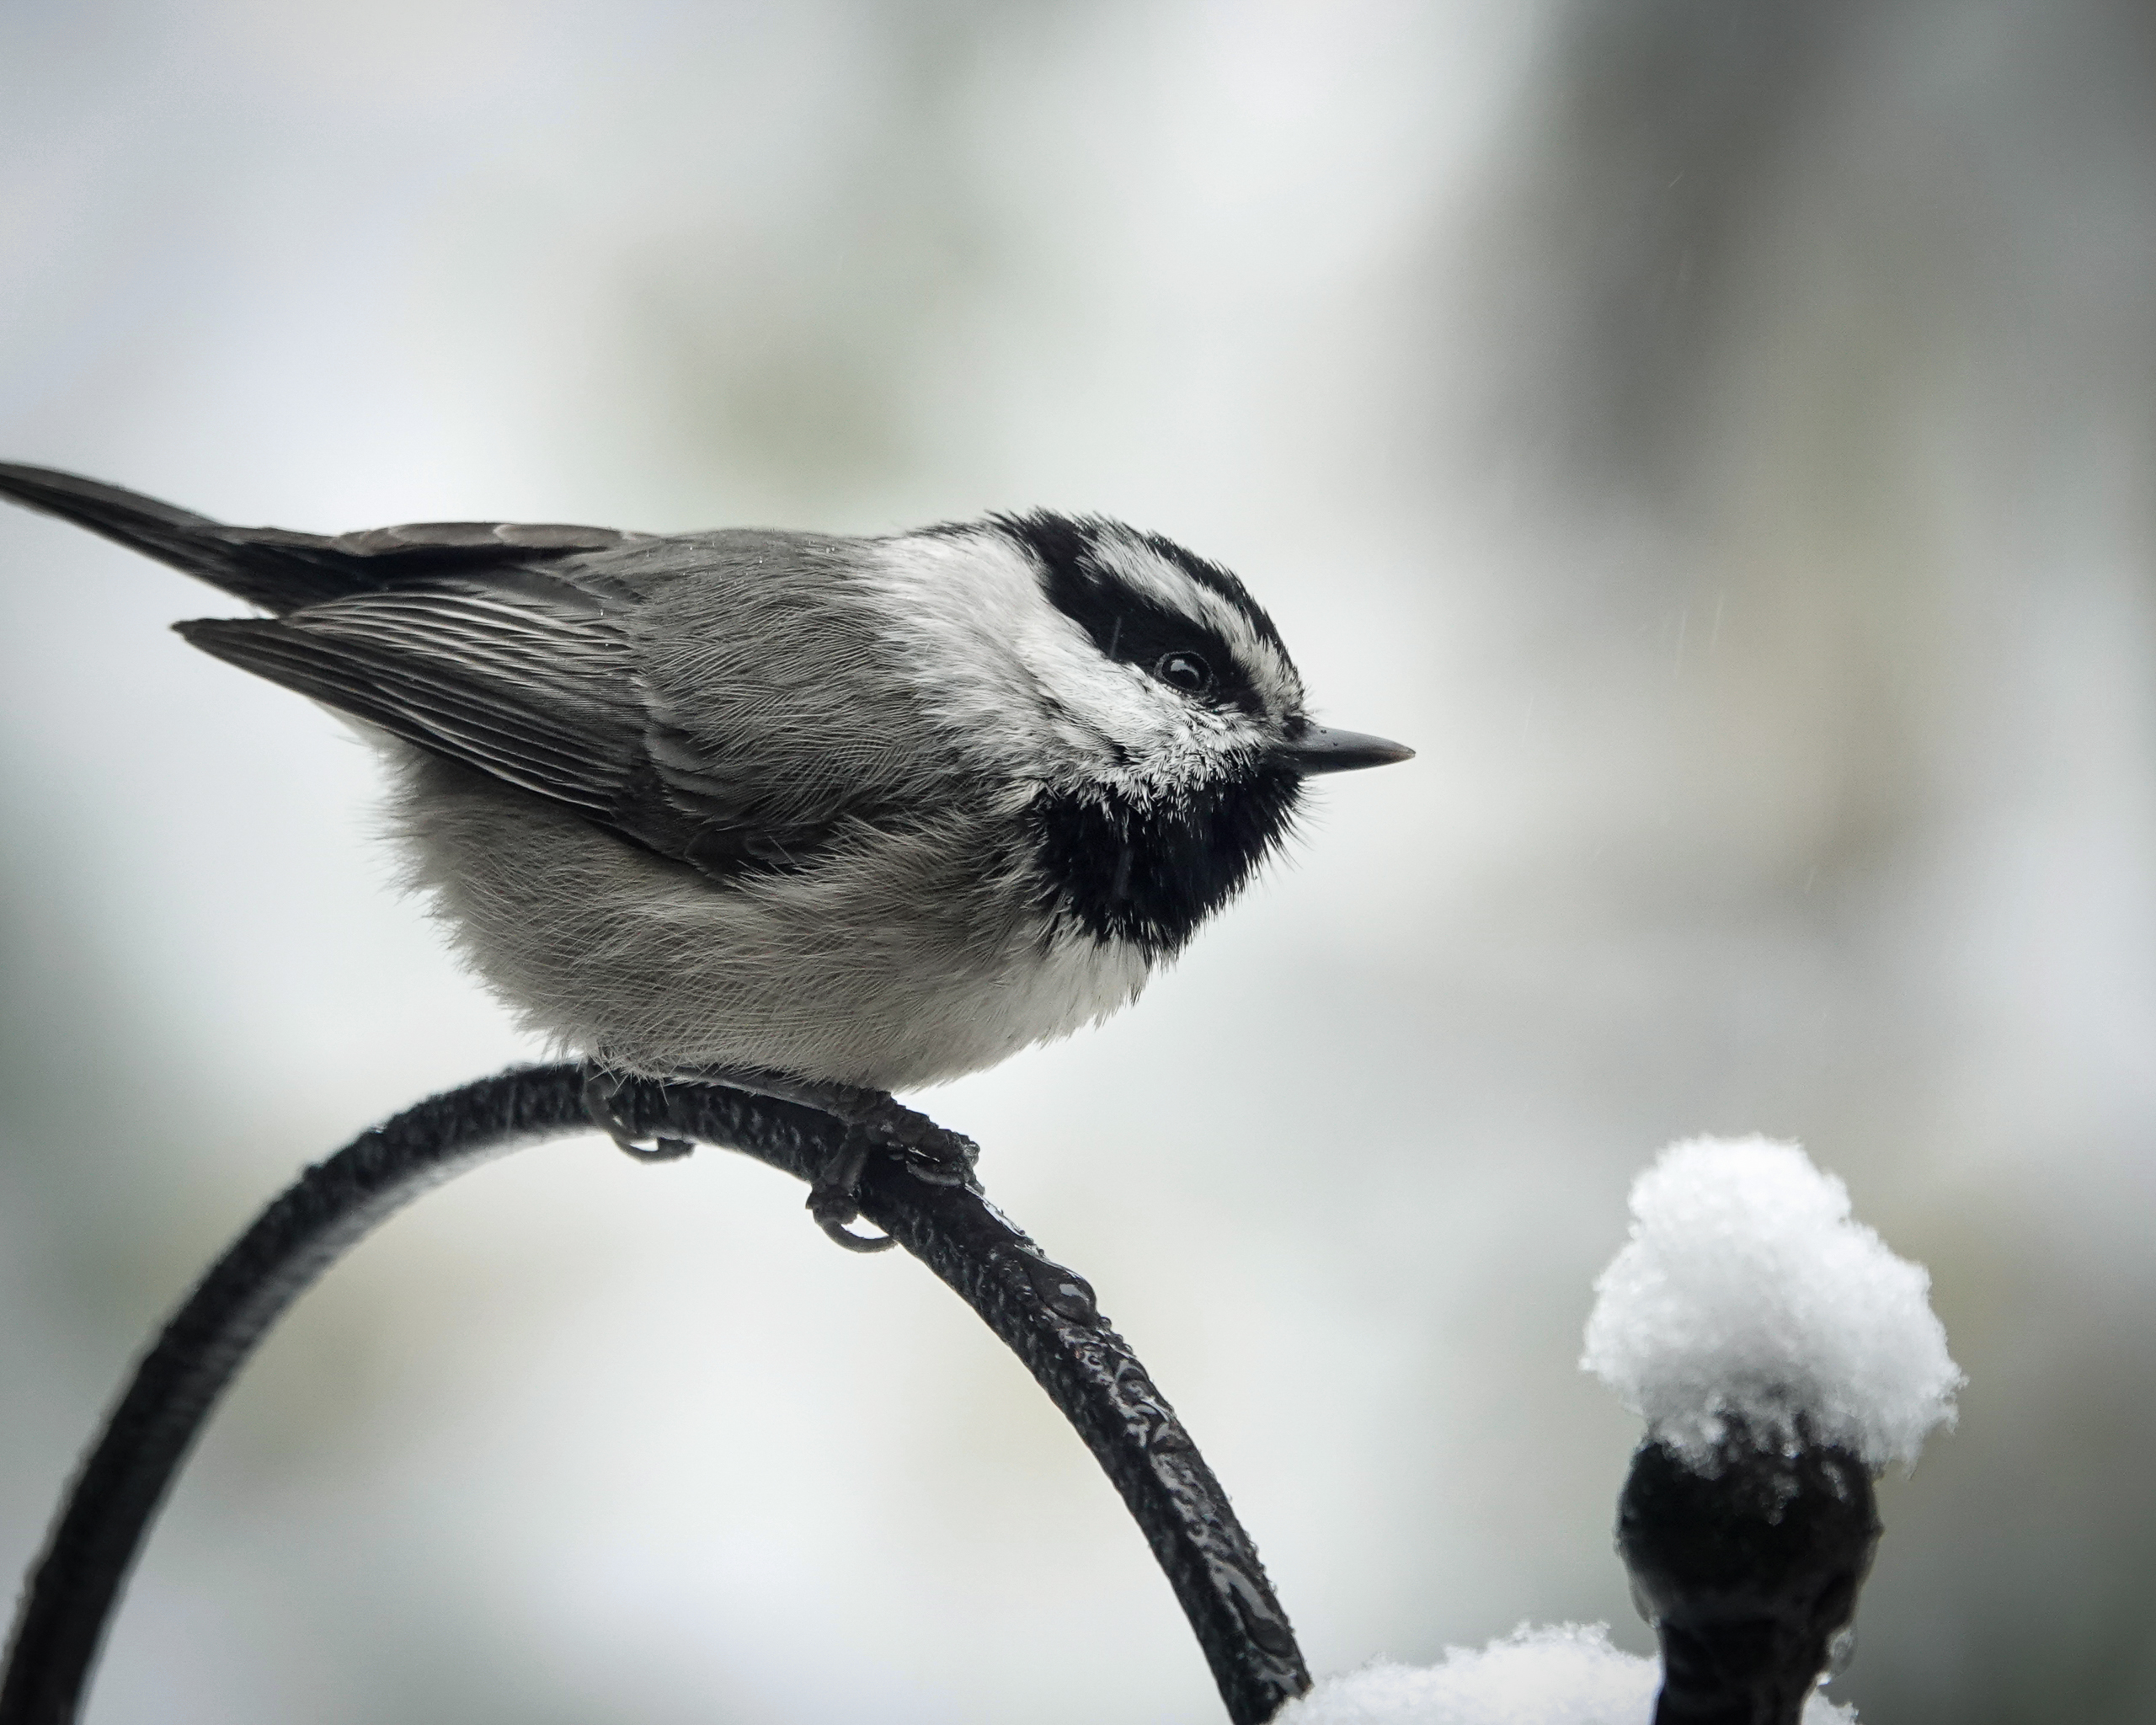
(531, 681)
(676, 689)
(560, 738)
(679, 691)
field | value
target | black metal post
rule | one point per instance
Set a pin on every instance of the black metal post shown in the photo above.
(1749, 1565)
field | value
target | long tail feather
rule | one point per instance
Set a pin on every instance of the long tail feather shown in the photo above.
(266, 566)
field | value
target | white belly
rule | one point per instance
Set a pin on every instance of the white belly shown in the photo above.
(894, 965)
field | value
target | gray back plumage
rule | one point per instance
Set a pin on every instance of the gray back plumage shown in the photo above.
(775, 705)
(678, 691)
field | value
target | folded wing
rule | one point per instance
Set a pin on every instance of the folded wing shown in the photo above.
(528, 679)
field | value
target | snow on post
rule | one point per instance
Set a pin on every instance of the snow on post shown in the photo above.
(1746, 1289)
(1782, 1356)
(1566, 1675)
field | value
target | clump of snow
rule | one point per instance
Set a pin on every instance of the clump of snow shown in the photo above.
(1747, 1289)
(1568, 1674)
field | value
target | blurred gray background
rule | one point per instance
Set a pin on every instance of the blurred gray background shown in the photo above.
(1721, 437)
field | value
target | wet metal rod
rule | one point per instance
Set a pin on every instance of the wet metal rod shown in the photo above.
(1045, 1314)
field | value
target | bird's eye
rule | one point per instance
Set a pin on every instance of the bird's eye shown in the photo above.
(1186, 671)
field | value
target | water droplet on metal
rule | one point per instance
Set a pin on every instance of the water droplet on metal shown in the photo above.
(1065, 1292)
(1270, 1633)
(1262, 1621)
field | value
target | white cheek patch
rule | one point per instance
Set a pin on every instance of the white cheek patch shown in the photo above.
(1014, 679)
(992, 661)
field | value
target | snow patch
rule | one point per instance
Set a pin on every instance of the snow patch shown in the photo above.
(1565, 1675)
(1748, 1289)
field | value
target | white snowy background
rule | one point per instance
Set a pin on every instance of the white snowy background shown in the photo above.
(1720, 438)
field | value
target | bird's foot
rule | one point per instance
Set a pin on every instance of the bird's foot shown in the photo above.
(602, 1095)
(875, 1120)
(932, 1153)
(834, 1194)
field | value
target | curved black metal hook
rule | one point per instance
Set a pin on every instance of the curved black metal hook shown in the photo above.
(1043, 1312)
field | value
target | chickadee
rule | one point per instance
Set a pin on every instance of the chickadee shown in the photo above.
(820, 818)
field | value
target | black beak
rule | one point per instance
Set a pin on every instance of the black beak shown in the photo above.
(1319, 749)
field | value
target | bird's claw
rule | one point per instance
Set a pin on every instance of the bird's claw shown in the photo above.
(873, 1121)
(928, 1152)
(932, 1153)
(602, 1094)
(834, 1197)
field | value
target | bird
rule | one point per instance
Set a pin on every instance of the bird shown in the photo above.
(820, 817)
